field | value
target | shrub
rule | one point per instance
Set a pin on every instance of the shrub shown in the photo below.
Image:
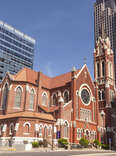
(97, 143)
(63, 142)
(45, 143)
(40, 143)
(105, 146)
(83, 142)
(35, 144)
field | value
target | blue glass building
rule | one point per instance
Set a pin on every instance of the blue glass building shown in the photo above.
(16, 50)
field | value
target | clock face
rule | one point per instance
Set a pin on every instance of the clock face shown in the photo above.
(85, 96)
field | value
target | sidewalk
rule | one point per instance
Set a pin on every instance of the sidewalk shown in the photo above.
(13, 149)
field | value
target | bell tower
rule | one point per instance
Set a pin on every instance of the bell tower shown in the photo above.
(104, 72)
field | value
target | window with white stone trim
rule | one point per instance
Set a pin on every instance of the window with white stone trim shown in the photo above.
(31, 102)
(66, 129)
(18, 97)
(66, 96)
(5, 96)
(85, 114)
(44, 99)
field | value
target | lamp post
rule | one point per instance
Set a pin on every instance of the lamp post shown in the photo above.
(103, 115)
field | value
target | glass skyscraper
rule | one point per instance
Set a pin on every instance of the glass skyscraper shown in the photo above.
(16, 50)
(105, 22)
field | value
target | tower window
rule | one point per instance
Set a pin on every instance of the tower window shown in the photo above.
(98, 70)
(103, 69)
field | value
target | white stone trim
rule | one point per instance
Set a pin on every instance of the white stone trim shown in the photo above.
(33, 90)
(27, 87)
(45, 93)
(5, 84)
(27, 123)
(10, 87)
(85, 86)
(17, 87)
(66, 104)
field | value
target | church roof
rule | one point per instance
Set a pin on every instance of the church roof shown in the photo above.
(28, 115)
(31, 76)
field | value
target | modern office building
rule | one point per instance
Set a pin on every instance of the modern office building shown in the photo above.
(16, 50)
(105, 22)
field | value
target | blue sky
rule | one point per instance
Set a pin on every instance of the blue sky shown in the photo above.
(63, 30)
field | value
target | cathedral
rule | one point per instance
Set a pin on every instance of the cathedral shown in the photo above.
(34, 106)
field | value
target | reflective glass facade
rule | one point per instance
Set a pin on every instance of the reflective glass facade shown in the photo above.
(16, 50)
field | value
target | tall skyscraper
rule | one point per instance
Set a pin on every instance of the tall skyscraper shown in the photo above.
(16, 50)
(105, 22)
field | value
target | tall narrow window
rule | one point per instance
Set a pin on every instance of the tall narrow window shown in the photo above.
(44, 99)
(31, 104)
(98, 70)
(66, 97)
(66, 130)
(18, 97)
(54, 100)
(99, 94)
(103, 95)
(26, 128)
(110, 69)
(11, 129)
(103, 69)
(45, 132)
(4, 97)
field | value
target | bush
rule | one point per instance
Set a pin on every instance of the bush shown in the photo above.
(63, 142)
(105, 146)
(40, 143)
(35, 144)
(97, 143)
(83, 142)
(45, 143)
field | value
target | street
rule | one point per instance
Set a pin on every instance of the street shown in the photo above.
(61, 153)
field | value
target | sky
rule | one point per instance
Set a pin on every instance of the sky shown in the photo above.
(63, 30)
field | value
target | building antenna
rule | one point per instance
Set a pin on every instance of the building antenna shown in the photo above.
(85, 60)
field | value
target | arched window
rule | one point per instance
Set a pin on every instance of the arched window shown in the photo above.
(11, 129)
(103, 68)
(99, 94)
(27, 128)
(103, 95)
(18, 97)
(5, 96)
(40, 130)
(31, 104)
(66, 129)
(45, 132)
(54, 100)
(50, 131)
(44, 99)
(66, 97)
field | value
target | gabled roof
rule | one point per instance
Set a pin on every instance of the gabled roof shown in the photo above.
(61, 80)
(31, 76)
(28, 114)
(26, 75)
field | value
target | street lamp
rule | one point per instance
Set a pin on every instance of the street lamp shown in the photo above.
(103, 115)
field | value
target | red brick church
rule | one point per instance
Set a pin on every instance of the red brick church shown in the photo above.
(34, 106)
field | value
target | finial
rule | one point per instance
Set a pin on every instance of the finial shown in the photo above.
(74, 69)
